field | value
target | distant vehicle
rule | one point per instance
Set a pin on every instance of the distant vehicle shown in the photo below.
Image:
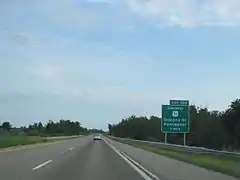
(97, 138)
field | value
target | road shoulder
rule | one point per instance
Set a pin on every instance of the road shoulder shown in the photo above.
(167, 168)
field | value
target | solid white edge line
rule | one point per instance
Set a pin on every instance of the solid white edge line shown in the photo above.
(140, 172)
(137, 164)
(41, 165)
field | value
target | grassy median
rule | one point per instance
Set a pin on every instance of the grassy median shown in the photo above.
(223, 164)
(10, 141)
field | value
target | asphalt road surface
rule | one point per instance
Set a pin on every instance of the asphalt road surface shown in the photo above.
(83, 159)
(76, 159)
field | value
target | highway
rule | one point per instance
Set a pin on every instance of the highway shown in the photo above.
(83, 159)
(69, 160)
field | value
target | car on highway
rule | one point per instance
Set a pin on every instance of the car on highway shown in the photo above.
(97, 138)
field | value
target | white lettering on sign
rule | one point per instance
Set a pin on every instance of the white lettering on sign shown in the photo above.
(175, 108)
(184, 120)
(175, 113)
(176, 129)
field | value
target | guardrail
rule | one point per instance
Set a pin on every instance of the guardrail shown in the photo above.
(192, 149)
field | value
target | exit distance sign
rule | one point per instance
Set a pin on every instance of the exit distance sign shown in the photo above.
(175, 119)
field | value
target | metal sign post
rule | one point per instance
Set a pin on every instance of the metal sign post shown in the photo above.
(165, 138)
(184, 139)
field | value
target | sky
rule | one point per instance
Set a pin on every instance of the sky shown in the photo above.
(98, 61)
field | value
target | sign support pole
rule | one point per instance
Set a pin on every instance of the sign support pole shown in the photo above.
(165, 138)
(184, 139)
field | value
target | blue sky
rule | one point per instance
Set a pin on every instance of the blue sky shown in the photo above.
(97, 61)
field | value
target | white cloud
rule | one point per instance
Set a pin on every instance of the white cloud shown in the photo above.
(46, 71)
(24, 38)
(101, 1)
(119, 94)
(61, 80)
(188, 13)
(69, 14)
(21, 37)
(75, 15)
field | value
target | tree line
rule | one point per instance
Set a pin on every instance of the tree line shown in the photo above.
(210, 129)
(51, 128)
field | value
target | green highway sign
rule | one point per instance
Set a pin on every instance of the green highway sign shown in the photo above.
(179, 102)
(175, 119)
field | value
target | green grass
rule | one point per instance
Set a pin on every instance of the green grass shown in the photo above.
(223, 164)
(11, 141)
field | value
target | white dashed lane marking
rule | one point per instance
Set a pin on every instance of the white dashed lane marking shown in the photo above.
(42, 165)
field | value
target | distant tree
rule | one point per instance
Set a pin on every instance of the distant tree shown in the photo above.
(62, 127)
(211, 129)
(40, 127)
(6, 126)
(231, 122)
(50, 127)
(110, 129)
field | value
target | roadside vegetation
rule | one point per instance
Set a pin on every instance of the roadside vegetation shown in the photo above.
(10, 141)
(39, 133)
(209, 129)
